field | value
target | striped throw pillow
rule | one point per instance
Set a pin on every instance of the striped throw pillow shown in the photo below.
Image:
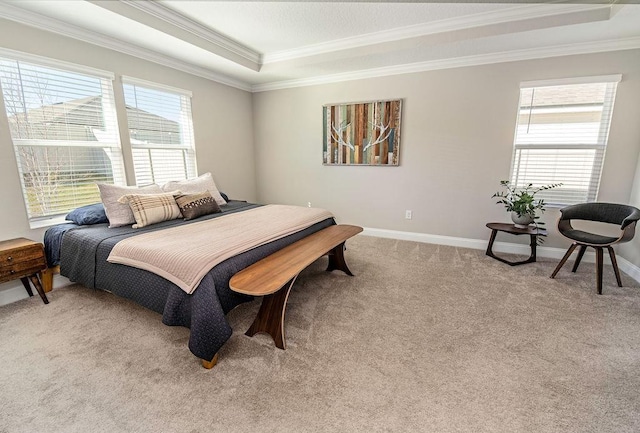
(152, 208)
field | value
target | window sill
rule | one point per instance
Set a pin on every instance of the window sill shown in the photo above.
(47, 222)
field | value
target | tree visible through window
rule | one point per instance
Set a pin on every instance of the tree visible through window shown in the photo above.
(561, 136)
(65, 135)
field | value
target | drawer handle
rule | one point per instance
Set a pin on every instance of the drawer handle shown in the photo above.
(12, 272)
(9, 259)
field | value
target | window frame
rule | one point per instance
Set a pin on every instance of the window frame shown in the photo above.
(600, 147)
(108, 110)
(186, 127)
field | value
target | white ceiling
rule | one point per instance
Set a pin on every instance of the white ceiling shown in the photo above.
(266, 45)
(270, 27)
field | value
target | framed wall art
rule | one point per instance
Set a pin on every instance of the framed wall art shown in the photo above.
(362, 133)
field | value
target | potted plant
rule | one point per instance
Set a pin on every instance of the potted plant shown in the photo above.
(522, 203)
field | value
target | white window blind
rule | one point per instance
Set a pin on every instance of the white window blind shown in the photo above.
(65, 135)
(161, 132)
(561, 137)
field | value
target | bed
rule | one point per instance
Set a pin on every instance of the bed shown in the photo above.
(82, 251)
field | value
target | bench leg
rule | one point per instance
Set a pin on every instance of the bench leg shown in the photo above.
(270, 318)
(336, 260)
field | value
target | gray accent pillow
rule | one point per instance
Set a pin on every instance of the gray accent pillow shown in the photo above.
(120, 214)
(196, 185)
(196, 205)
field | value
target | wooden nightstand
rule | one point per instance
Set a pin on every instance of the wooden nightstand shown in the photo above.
(24, 259)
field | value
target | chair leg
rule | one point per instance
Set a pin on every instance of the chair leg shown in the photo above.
(583, 248)
(614, 262)
(564, 259)
(599, 268)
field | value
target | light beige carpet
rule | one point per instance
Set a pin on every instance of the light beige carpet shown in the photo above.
(424, 338)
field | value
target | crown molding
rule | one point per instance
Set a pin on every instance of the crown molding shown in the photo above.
(55, 63)
(42, 22)
(52, 25)
(176, 19)
(442, 26)
(458, 62)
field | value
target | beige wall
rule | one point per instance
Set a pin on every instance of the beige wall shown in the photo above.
(457, 138)
(222, 119)
(631, 250)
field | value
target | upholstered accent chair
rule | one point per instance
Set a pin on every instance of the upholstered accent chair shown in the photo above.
(620, 214)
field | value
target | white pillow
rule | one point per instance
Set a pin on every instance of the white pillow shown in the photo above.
(120, 214)
(196, 185)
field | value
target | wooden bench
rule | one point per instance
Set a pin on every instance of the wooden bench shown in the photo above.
(273, 276)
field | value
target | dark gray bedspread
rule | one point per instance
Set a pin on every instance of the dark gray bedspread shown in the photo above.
(53, 242)
(83, 259)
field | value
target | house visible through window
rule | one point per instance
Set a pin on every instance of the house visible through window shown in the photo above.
(561, 136)
(65, 135)
(161, 132)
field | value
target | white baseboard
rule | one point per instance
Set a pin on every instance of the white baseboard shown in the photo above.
(501, 247)
(13, 294)
(628, 268)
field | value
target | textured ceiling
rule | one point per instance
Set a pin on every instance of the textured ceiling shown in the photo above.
(277, 26)
(264, 45)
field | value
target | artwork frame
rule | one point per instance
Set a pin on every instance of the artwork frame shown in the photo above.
(362, 133)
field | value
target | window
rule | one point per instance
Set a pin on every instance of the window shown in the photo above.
(161, 132)
(63, 125)
(561, 136)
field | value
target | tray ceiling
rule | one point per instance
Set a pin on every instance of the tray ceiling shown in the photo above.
(267, 45)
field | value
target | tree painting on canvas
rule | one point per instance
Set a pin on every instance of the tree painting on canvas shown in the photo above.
(366, 133)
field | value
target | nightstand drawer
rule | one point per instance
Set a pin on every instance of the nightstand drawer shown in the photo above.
(21, 268)
(16, 255)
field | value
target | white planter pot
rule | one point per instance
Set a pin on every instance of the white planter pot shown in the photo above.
(521, 221)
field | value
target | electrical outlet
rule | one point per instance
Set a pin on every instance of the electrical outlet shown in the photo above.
(408, 214)
(308, 204)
